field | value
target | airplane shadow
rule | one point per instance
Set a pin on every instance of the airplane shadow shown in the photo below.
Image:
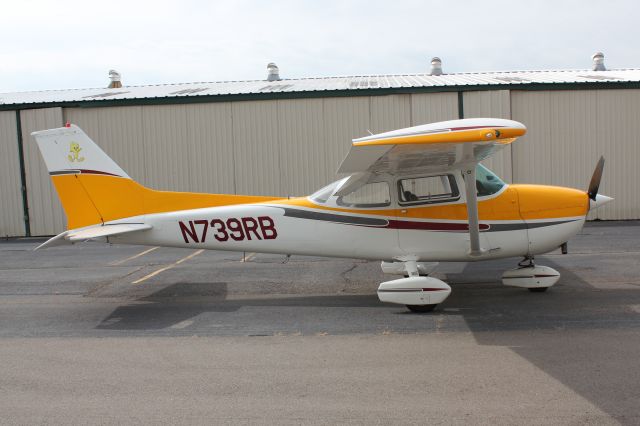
(182, 301)
(571, 332)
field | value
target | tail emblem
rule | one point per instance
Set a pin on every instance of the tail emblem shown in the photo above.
(74, 150)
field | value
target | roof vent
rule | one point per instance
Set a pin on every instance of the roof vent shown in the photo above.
(114, 76)
(273, 74)
(598, 62)
(436, 66)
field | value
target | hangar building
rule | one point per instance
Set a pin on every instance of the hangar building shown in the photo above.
(287, 136)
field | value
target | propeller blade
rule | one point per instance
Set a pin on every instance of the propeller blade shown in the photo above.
(594, 185)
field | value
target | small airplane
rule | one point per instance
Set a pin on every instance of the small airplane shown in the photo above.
(412, 198)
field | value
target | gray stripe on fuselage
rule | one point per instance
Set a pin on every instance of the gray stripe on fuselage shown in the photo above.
(501, 227)
(337, 218)
(375, 222)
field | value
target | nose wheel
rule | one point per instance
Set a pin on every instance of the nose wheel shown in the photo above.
(536, 278)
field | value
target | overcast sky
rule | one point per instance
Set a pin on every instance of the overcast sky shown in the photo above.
(73, 44)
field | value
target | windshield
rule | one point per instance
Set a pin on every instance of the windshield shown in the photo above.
(372, 194)
(487, 183)
(322, 195)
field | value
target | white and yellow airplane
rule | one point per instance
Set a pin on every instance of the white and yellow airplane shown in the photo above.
(413, 197)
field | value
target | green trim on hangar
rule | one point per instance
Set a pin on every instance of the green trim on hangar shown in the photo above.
(314, 94)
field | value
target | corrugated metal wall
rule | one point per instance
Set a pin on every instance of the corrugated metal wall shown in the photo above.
(11, 212)
(46, 216)
(567, 133)
(430, 108)
(292, 147)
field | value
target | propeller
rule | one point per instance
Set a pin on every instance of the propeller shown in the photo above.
(594, 185)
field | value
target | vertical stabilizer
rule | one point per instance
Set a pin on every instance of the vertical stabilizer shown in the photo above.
(93, 189)
(69, 150)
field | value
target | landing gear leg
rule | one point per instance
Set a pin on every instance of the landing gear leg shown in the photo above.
(527, 262)
(418, 293)
(528, 275)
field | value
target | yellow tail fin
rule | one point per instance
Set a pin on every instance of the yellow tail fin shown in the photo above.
(93, 189)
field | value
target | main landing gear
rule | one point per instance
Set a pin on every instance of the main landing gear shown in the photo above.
(422, 293)
(418, 291)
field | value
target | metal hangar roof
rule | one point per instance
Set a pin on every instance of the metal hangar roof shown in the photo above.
(326, 86)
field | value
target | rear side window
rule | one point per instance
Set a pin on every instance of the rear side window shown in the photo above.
(374, 194)
(427, 189)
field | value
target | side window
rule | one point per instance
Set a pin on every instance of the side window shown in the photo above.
(428, 189)
(375, 194)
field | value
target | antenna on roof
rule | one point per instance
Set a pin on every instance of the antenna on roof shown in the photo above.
(598, 62)
(115, 83)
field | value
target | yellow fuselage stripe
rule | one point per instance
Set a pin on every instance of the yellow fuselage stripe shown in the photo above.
(90, 199)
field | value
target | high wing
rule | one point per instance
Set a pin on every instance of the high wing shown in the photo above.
(431, 147)
(436, 147)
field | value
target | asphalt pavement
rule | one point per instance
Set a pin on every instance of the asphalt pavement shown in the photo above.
(128, 334)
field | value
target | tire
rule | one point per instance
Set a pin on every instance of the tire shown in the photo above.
(421, 308)
(538, 289)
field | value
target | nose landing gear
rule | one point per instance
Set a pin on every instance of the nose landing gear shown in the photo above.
(536, 278)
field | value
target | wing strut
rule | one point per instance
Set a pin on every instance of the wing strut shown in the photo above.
(472, 210)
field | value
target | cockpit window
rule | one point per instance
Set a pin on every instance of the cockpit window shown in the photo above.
(374, 194)
(487, 183)
(428, 189)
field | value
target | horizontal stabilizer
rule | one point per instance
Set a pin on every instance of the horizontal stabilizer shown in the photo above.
(106, 231)
(70, 237)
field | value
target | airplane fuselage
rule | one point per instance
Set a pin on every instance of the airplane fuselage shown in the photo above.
(519, 220)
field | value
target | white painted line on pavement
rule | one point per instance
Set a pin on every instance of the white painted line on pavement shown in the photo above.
(154, 273)
(120, 262)
(248, 257)
(182, 324)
